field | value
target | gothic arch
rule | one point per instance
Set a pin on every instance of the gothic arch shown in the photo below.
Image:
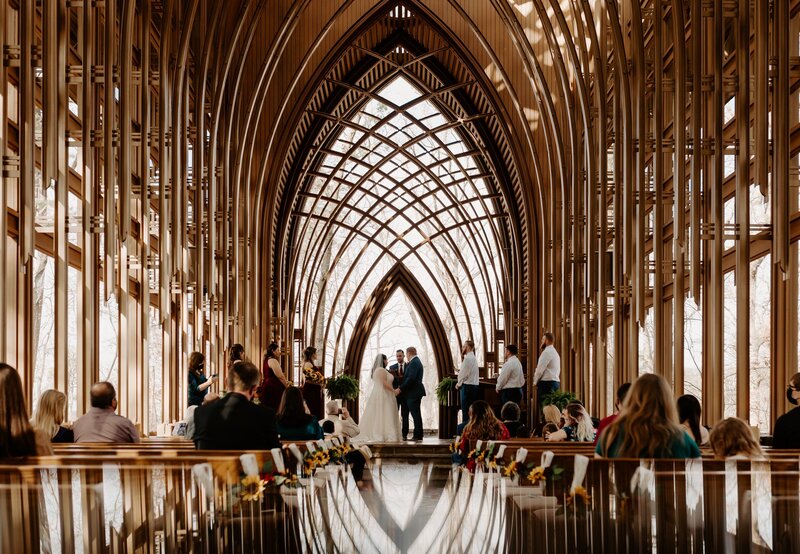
(399, 278)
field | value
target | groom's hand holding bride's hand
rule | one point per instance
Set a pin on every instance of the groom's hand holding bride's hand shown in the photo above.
(396, 392)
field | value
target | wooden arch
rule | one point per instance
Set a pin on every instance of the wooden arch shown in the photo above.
(399, 277)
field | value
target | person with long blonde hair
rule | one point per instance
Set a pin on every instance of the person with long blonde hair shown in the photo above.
(50, 414)
(732, 437)
(17, 436)
(647, 426)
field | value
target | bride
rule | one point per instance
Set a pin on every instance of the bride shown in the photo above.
(379, 420)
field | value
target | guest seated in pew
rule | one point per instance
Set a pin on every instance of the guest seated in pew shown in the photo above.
(647, 426)
(577, 425)
(483, 426)
(608, 420)
(732, 437)
(551, 415)
(341, 420)
(689, 412)
(510, 413)
(549, 428)
(294, 421)
(189, 419)
(101, 424)
(787, 427)
(50, 414)
(17, 437)
(235, 422)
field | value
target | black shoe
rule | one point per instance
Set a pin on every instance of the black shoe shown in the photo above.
(417, 439)
(406, 439)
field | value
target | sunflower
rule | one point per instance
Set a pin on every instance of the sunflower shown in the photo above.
(252, 488)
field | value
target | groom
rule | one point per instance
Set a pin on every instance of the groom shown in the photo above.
(412, 391)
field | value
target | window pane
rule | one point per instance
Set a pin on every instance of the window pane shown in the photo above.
(72, 344)
(155, 358)
(108, 321)
(43, 325)
(729, 342)
(760, 336)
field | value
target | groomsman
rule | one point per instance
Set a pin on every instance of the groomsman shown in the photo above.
(511, 378)
(412, 390)
(398, 370)
(547, 376)
(467, 384)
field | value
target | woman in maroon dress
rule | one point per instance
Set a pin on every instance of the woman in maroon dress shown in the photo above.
(271, 389)
(313, 381)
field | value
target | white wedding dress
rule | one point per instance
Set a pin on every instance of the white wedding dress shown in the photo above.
(380, 421)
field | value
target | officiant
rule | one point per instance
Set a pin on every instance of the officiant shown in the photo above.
(398, 370)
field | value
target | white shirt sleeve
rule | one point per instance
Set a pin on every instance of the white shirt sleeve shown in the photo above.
(505, 373)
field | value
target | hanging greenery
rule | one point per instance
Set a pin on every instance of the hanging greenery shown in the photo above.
(342, 387)
(443, 389)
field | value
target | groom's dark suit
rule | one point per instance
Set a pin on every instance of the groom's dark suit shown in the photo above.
(412, 390)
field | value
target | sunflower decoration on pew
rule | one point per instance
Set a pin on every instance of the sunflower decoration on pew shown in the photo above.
(287, 479)
(252, 488)
(511, 469)
(338, 452)
(309, 463)
(539, 474)
(455, 446)
(579, 497)
(321, 458)
(483, 457)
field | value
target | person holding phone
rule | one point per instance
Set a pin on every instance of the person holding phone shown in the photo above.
(198, 382)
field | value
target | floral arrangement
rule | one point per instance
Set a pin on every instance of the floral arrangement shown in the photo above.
(336, 454)
(312, 375)
(455, 446)
(485, 456)
(511, 469)
(315, 460)
(579, 493)
(252, 487)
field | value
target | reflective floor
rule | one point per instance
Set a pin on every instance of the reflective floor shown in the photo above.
(405, 507)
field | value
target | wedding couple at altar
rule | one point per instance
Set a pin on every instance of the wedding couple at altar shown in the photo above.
(397, 387)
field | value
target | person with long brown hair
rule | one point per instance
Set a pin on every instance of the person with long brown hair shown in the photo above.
(647, 426)
(689, 412)
(198, 382)
(235, 354)
(17, 436)
(294, 421)
(732, 437)
(275, 382)
(483, 425)
(313, 381)
(50, 414)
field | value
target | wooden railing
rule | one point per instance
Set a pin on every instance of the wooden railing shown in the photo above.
(150, 497)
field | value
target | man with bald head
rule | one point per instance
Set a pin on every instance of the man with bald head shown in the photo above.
(101, 424)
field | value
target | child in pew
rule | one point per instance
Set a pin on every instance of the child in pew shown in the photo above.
(50, 415)
(577, 425)
(732, 437)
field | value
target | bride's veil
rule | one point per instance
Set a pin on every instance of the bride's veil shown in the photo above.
(377, 365)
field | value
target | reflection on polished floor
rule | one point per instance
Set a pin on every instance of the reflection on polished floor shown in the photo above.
(404, 507)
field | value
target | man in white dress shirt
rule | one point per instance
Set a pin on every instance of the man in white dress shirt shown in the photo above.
(547, 376)
(511, 378)
(467, 384)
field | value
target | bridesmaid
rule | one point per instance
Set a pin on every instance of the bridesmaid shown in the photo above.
(313, 381)
(271, 390)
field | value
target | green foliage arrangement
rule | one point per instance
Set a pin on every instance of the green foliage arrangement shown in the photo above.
(443, 389)
(559, 398)
(342, 387)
